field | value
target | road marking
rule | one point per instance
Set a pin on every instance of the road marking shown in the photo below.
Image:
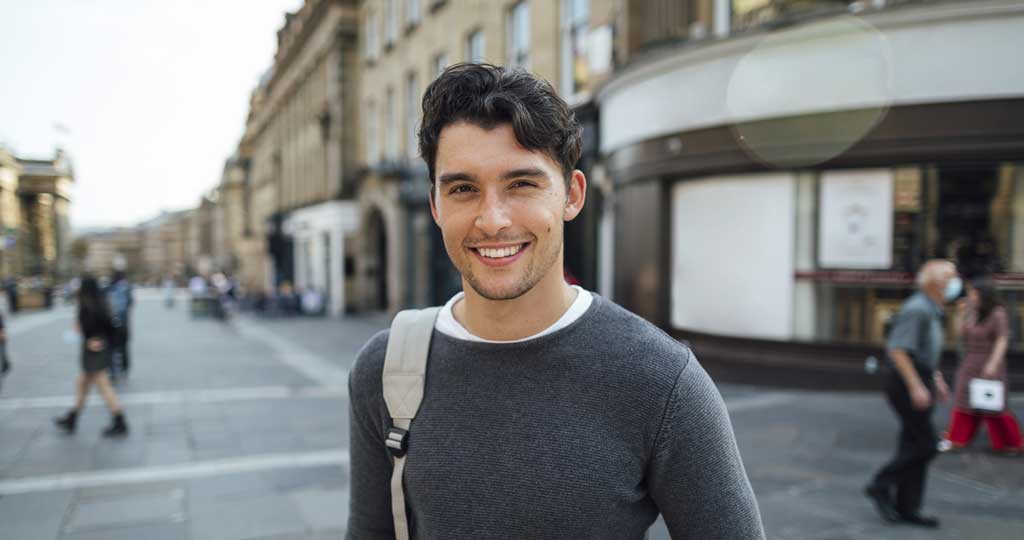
(295, 356)
(179, 471)
(186, 396)
(19, 324)
(756, 402)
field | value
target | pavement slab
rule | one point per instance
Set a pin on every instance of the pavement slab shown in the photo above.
(234, 436)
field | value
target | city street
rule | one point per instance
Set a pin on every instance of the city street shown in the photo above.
(239, 431)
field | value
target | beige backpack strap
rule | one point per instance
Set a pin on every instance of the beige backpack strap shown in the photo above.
(405, 369)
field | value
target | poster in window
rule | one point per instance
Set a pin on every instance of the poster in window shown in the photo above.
(855, 220)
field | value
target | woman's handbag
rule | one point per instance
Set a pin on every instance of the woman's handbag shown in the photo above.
(986, 395)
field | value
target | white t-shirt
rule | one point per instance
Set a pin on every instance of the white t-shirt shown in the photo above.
(446, 323)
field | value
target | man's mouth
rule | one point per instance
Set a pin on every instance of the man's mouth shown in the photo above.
(499, 252)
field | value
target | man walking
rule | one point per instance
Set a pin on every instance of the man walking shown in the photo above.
(548, 411)
(119, 295)
(915, 347)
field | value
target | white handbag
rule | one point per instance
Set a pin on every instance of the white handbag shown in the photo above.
(986, 395)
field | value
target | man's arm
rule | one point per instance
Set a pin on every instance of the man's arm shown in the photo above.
(919, 394)
(369, 482)
(696, 475)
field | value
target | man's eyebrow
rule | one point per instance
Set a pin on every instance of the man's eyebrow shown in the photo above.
(529, 172)
(455, 177)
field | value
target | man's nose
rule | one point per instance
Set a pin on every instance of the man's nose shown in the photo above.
(493, 215)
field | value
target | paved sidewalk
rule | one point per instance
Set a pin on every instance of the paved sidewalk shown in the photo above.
(239, 432)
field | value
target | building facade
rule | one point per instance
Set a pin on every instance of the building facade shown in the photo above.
(778, 180)
(404, 45)
(300, 152)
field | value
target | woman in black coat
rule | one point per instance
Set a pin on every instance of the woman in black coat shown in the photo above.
(97, 329)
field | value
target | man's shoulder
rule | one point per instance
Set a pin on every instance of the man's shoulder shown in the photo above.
(634, 341)
(369, 363)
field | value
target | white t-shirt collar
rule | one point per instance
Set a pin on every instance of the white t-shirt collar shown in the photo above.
(446, 323)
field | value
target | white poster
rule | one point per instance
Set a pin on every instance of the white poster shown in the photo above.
(732, 255)
(855, 220)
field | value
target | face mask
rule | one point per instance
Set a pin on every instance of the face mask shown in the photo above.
(953, 289)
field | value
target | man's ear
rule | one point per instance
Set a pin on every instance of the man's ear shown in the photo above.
(576, 195)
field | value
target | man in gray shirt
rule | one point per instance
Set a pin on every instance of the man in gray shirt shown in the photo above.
(548, 411)
(915, 348)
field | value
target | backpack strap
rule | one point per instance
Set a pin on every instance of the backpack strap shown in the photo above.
(405, 368)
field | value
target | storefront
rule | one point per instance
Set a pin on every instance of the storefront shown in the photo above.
(318, 235)
(775, 193)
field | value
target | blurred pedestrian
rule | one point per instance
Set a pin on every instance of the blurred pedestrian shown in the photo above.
(121, 300)
(915, 347)
(5, 362)
(168, 292)
(11, 286)
(97, 330)
(985, 330)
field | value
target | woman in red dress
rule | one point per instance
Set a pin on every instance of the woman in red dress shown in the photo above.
(984, 328)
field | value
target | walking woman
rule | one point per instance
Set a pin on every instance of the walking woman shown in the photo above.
(97, 328)
(984, 328)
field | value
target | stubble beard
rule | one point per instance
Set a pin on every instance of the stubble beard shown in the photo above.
(537, 268)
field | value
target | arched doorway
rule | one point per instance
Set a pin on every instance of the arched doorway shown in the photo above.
(377, 261)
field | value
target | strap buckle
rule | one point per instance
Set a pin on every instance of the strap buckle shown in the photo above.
(397, 441)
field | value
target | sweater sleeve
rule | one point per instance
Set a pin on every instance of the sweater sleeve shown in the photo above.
(370, 465)
(696, 475)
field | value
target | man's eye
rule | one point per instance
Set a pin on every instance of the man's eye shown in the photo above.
(522, 183)
(460, 189)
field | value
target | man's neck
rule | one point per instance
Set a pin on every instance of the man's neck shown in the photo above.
(518, 318)
(935, 295)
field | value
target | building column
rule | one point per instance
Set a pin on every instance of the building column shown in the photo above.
(336, 303)
(804, 291)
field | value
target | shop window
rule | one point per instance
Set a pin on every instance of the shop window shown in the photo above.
(519, 35)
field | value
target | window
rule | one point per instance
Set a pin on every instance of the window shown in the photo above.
(390, 23)
(519, 35)
(475, 47)
(440, 63)
(412, 12)
(390, 127)
(411, 116)
(575, 30)
(372, 140)
(372, 43)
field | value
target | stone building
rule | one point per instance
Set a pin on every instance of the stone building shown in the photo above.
(300, 152)
(404, 45)
(781, 169)
(114, 249)
(163, 247)
(35, 201)
(10, 214)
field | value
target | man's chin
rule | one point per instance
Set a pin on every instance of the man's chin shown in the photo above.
(498, 292)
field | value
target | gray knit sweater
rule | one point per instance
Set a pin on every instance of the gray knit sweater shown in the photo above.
(585, 433)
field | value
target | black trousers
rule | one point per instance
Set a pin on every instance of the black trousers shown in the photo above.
(906, 473)
(119, 346)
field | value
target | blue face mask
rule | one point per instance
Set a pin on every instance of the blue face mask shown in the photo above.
(953, 289)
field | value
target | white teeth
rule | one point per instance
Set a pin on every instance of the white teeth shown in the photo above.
(499, 253)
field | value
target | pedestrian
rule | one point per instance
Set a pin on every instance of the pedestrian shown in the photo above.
(915, 348)
(5, 362)
(985, 330)
(548, 411)
(121, 300)
(97, 330)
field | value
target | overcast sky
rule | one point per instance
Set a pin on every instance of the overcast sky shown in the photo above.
(153, 94)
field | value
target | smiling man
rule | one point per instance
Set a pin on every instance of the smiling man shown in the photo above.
(548, 411)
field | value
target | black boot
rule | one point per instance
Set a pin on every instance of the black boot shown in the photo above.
(117, 428)
(67, 422)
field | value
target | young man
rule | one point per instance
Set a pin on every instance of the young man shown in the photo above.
(549, 412)
(915, 348)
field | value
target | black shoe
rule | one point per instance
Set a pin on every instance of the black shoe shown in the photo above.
(67, 422)
(117, 428)
(920, 521)
(883, 503)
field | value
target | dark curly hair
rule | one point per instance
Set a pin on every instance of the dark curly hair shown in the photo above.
(487, 96)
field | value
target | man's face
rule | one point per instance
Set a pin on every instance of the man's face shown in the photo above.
(501, 209)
